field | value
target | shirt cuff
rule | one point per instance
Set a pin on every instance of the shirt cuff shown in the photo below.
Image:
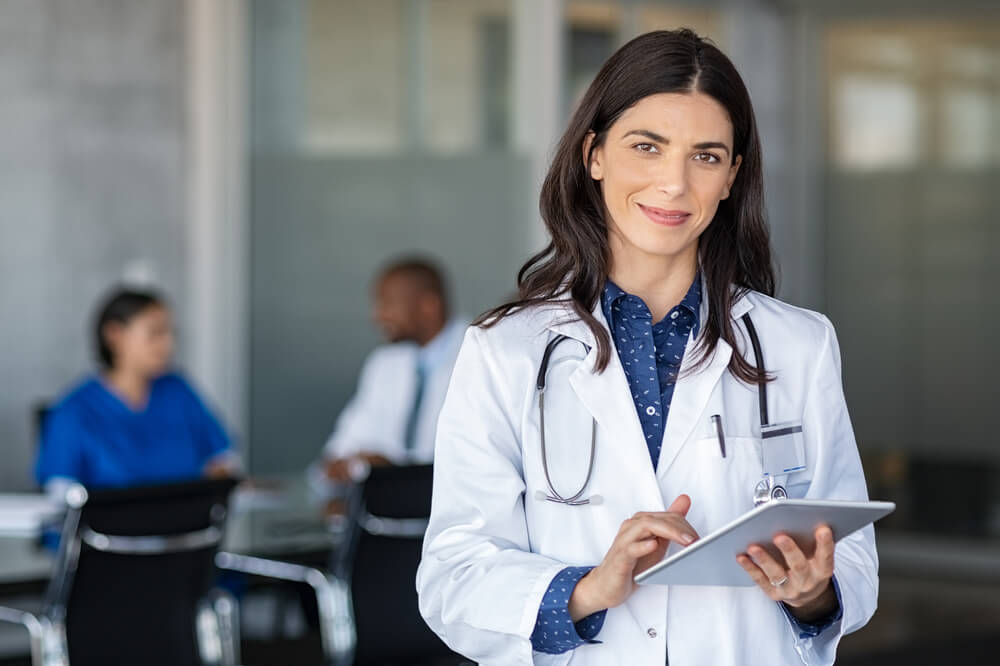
(814, 629)
(555, 632)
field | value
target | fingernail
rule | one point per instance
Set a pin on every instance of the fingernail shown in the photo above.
(687, 539)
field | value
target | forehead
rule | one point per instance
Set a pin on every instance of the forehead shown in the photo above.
(692, 115)
(154, 314)
(394, 281)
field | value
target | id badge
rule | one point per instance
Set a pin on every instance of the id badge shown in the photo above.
(783, 449)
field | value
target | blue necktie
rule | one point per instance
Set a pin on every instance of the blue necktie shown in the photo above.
(418, 397)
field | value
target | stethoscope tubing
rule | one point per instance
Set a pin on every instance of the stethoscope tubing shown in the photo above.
(540, 385)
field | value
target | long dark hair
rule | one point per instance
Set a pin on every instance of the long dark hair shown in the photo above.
(120, 306)
(734, 250)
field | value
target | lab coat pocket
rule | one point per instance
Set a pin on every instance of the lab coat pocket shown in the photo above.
(725, 484)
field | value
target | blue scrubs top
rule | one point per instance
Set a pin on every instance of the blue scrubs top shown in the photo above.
(93, 437)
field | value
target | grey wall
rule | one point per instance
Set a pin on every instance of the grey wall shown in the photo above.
(91, 185)
(320, 228)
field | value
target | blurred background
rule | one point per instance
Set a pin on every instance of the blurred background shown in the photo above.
(257, 160)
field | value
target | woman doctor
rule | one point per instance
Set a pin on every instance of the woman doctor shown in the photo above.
(658, 249)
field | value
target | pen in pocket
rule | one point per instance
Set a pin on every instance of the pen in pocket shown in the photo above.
(717, 420)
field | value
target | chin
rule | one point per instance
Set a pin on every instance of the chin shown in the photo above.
(665, 247)
(661, 241)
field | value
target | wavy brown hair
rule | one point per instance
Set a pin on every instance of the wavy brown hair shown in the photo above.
(734, 250)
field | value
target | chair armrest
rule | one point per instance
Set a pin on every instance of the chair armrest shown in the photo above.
(333, 597)
(41, 633)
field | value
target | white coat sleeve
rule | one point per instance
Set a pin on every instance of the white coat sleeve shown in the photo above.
(480, 587)
(837, 474)
(361, 426)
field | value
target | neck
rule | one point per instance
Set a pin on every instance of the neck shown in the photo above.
(132, 386)
(661, 282)
(430, 333)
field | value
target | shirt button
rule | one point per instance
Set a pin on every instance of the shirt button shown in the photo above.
(651, 632)
(673, 315)
(651, 410)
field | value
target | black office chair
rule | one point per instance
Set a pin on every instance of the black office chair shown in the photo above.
(382, 567)
(134, 580)
(39, 414)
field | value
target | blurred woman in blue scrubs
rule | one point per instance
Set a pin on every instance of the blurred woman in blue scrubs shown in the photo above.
(135, 422)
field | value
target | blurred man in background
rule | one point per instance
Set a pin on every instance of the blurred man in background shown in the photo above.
(392, 417)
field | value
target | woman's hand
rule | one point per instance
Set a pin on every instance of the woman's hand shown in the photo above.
(641, 542)
(805, 584)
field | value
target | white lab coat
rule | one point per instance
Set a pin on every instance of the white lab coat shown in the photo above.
(375, 418)
(492, 547)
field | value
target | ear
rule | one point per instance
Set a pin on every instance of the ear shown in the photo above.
(592, 162)
(112, 333)
(733, 170)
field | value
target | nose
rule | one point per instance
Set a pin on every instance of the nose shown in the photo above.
(672, 177)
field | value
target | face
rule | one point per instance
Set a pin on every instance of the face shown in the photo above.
(144, 344)
(399, 307)
(663, 167)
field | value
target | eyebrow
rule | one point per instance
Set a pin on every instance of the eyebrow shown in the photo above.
(704, 145)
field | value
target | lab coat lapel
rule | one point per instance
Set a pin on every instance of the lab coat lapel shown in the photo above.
(607, 397)
(694, 389)
(691, 395)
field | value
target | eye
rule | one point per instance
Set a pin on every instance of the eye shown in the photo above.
(645, 148)
(708, 158)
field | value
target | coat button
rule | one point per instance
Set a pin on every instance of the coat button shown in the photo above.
(651, 632)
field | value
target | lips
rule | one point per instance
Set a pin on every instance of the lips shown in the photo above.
(668, 218)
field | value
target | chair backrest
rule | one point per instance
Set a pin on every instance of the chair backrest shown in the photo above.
(395, 505)
(39, 414)
(145, 562)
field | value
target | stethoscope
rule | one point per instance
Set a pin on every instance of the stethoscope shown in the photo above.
(576, 499)
(764, 491)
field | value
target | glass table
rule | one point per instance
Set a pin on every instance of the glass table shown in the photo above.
(274, 525)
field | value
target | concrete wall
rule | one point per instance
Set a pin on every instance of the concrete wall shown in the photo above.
(92, 155)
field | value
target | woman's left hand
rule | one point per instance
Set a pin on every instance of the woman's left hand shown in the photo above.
(805, 584)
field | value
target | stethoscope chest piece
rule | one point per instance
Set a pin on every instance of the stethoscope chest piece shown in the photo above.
(764, 492)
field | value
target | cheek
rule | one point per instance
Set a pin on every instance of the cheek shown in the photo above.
(622, 182)
(708, 192)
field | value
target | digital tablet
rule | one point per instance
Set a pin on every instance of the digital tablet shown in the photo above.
(712, 559)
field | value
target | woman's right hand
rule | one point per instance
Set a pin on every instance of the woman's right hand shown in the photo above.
(641, 542)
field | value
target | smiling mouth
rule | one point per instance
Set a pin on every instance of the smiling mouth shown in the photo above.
(668, 218)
